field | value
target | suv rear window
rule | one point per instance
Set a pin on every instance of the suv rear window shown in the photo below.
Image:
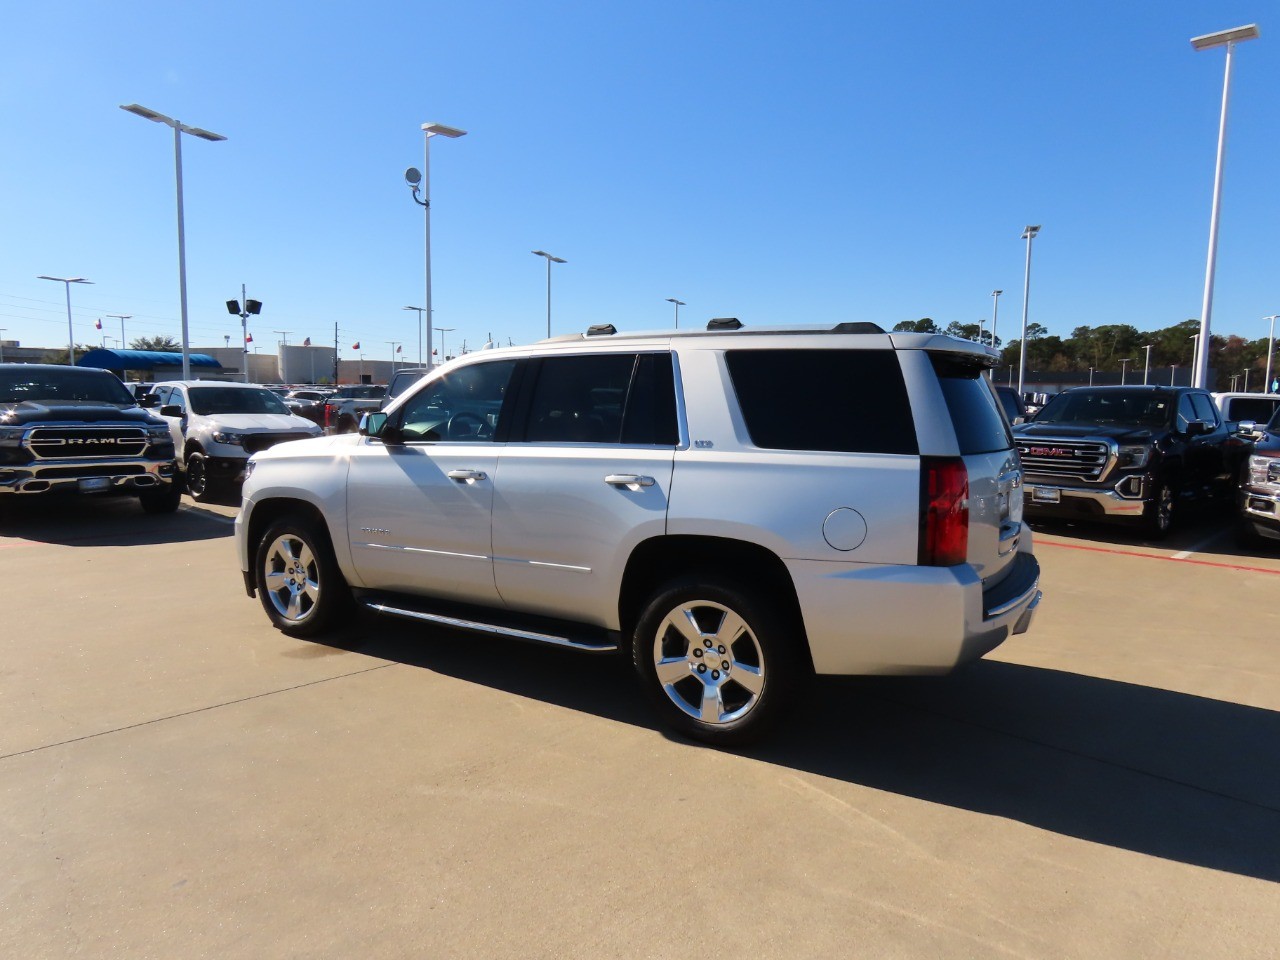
(841, 401)
(975, 412)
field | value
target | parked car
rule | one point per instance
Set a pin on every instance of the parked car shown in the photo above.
(1011, 402)
(307, 403)
(1258, 501)
(401, 381)
(78, 430)
(216, 427)
(730, 510)
(344, 408)
(1247, 408)
(1126, 454)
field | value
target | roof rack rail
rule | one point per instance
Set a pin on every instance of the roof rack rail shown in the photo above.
(857, 327)
(724, 323)
(601, 330)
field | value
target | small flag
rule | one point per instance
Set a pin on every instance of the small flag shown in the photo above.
(399, 349)
(356, 345)
(248, 338)
(306, 342)
(435, 352)
(98, 324)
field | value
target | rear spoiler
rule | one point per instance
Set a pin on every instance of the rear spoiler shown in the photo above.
(941, 343)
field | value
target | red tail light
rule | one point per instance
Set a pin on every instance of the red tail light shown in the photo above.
(944, 511)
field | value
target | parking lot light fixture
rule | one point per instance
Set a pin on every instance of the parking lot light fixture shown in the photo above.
(1028, 234)
(71, 336)
(420, 310)
(1146, 368)
(679, 304)
(1228, 39)
(550, 261)
(1124, 367)
(1195, 354)
(1271, 347)
(178, 130)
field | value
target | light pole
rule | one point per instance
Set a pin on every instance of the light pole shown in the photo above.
(1246, 379)
(178, 130)
(1028, 235)
(1173, 374)
(995, 312)
(394, 344)
(420, 310)
(444, 352)
(1195, 354)
(244, 308)
(1146, 368)
(412, 177)
(1271, 346)
(1124, 367)
(2, 330)
(1091, 376)
(122, 317)
(1228, 39)
(550, 261)
(679, 304)
(71, 336)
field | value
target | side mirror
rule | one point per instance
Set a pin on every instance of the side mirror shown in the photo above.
(171, 410)
(1248, 427)
(376, 425)
(1198, 428)
(148, 400)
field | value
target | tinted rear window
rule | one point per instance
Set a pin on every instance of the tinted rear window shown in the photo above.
(975, 412)
(843, 401)
(1259, 409)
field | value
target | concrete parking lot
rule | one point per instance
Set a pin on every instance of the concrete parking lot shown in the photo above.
(177, 779)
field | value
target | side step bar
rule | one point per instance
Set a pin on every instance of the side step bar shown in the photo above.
(476, 626)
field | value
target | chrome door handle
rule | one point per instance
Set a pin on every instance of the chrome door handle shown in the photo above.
(467, 476)
(628, 480)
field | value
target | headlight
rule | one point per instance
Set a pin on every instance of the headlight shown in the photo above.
(248, 467)
(11, 434)
(1264, 468)
(235, 439)
(1133, 458)
(158, 434)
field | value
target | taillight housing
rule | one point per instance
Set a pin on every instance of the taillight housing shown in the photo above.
(944, 511)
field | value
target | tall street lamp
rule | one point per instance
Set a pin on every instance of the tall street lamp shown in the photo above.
(1271, 346)
(1195, 353)
(550, 261)
(1124, 367)
(679, 304)
(1028, 234)
(244, 308)
(421, 311)
(122, 317)
(71, 336)
(394, 344)
(444, 351)
(995, 312)
(178, 130)
(1228, 39)
(413, 178)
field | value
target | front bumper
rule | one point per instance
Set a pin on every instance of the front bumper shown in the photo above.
(1262, 510)
(870, 619)
(1127, 498)
(86, 475)
(225, 469)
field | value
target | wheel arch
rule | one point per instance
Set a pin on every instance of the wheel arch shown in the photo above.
(266, 512)
(660, 559)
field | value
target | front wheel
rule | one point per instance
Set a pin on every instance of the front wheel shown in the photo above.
(720, 666)
(1157, 519)
(198, 483)
(166, 499)
(299, 583)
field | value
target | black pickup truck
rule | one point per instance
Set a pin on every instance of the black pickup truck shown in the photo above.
(1126, 454)
(77, 430)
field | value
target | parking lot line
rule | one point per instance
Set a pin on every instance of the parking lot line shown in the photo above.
(1176, 558)
(1199, 547)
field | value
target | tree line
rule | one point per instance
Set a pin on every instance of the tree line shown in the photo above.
(1103, 348)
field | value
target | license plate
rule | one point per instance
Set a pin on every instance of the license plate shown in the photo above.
(1046, 495)
(95, 484)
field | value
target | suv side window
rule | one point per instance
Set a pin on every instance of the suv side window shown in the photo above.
(463, 404)
(581, 399)
(162, 395)
(843, 401)
(1186, 412)
(1205, 410)
(650, 418)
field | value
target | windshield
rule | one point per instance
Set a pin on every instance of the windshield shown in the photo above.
(1142, 408)
(366, 392)
(70, 385)
(211, 400)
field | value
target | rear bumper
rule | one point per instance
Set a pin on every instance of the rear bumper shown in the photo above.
(89, 476)
(863, 619)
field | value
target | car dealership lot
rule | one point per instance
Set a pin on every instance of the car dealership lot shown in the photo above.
(179, 779)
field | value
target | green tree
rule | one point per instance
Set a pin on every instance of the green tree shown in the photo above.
(163, 343)
(923, 325)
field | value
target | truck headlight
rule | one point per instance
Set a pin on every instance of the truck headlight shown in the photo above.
(234, 439)
(1264, 468)
(1133, 458)
(11, 434)
(248, 467)
(158, 434)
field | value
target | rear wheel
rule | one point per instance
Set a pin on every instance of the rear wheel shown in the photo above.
(298, 580)
(720, 666)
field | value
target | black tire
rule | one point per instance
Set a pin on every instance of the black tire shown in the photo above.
(1158, 515)
(199, 485)
(166, 499)
(759, 643)
(306, 594)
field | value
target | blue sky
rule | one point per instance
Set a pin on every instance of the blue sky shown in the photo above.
(782, 163)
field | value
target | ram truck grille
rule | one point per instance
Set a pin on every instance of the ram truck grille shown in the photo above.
(1079, 459)
(63, 443)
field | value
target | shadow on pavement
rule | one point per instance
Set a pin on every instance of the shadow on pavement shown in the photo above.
(106, 521)
(1165, 774)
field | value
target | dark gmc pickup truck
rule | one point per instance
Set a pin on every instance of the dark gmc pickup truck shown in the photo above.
(78, 430)
(1127, 454)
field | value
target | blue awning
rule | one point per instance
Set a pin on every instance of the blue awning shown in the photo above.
(142, 360)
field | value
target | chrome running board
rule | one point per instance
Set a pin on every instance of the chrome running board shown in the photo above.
(476, 626)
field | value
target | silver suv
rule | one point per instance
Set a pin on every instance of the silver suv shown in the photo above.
(732, 509)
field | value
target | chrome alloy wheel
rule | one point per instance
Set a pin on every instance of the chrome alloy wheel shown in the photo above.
(291, 577)
(1164, 509)
(708, 662)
